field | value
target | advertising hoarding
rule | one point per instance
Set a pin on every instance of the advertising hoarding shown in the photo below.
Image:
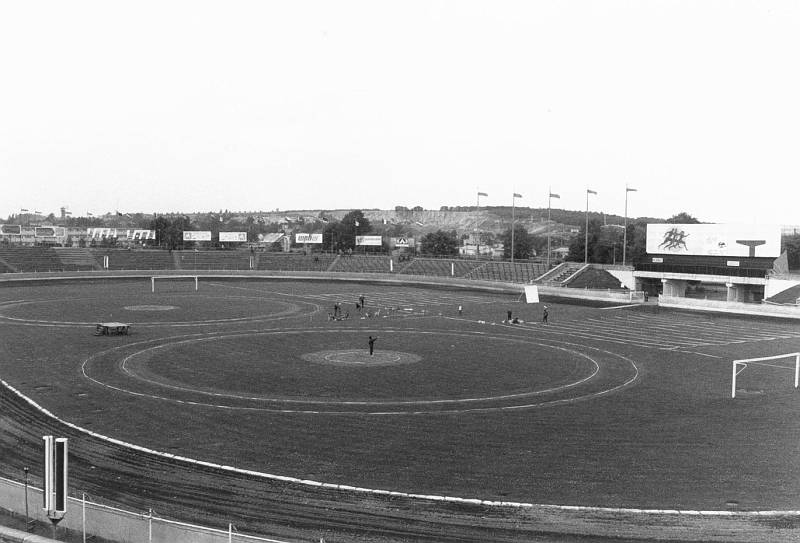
(13, 229)
(308, 238)
(368, 240)
(197, 235)
(403, 242)
(141, 234)
(233, 236)
(49, 232)
(738, 240)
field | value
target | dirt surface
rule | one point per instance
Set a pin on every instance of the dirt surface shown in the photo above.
(600, 408)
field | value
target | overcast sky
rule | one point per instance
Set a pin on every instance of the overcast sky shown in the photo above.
(199, 106)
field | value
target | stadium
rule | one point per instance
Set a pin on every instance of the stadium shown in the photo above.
(242, 403)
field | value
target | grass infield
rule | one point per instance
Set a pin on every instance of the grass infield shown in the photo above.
(624, 407)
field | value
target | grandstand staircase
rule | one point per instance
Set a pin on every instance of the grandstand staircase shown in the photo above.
(561, 275)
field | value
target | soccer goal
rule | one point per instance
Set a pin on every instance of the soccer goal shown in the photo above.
(173, 277)
(740, 365)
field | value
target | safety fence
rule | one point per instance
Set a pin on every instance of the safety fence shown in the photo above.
(95, 520)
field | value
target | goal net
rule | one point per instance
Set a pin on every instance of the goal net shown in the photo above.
(776, 363)
(176, 282)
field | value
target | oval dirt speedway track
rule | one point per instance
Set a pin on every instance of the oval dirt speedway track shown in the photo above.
(607, 411)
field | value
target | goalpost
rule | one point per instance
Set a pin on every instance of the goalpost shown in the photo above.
(761, 362)
(154, 277)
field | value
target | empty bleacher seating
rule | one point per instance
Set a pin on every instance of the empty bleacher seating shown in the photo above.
(294, 261)
(362, 264)
(30, 259)
(122, 259)
(213, 260)
(77, 259)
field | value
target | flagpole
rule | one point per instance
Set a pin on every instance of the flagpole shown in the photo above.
(477, 231)
(477, 223)
(625, 231)
(549, 195)
(513, 201)
(586, 240)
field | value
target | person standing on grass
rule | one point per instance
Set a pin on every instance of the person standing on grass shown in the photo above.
(372, 344)
(361, 301)
(544, 315)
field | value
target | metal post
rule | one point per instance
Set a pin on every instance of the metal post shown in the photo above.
(83, 514)
(26, 469)
(733, 380)
(797, 370)
(230, 533)
(150, 526)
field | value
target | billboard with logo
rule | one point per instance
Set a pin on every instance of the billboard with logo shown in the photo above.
(739, 240)
(368, 240)
(402, 242)
(233, 236)
(308, 238)
(197, 235)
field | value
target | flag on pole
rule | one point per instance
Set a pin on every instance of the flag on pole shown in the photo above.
(628, 189)
(25, 210)
(89, 214)
(554, 195)
(482, 194)
(590, 191)
(517, 195)
(37, 212)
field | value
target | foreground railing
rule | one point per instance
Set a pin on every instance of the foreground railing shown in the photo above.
(91, 519)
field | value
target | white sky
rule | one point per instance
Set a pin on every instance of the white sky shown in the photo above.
(200, 106)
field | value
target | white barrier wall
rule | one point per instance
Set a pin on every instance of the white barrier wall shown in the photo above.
(763, 310)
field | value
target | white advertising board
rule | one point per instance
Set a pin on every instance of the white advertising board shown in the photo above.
(532, 294)
(11, 229)
(197, 235)
(740, 240)
(368, 240)
(233, 236)
(308, 238)
(403, 242)
(141, 234)
(99, 233)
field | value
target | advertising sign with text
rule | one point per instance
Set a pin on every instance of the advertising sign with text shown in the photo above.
(308, 238)
(233, 236)
(197, 235)
(368, 240)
